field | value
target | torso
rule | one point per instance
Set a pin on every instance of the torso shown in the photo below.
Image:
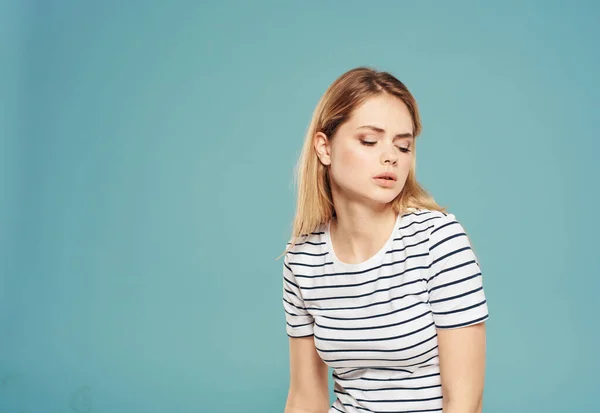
(372, 321)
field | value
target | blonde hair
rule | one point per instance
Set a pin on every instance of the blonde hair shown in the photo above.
(314, 205)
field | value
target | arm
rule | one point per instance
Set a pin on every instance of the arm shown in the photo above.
(308, 391)
(462, 368)
(459, 307)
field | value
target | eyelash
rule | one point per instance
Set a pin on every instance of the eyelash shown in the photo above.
(366, 143)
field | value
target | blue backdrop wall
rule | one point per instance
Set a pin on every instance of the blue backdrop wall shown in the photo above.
(147, 159)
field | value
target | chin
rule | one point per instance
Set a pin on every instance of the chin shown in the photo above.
(381, 198)
(386, 200)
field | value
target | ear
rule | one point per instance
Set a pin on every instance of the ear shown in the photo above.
(323, 148)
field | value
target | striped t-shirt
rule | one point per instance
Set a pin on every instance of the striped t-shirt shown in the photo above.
(374, 323)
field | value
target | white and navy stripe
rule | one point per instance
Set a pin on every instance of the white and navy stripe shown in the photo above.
(375, 322)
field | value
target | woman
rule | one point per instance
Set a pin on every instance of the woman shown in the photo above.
(379, 282)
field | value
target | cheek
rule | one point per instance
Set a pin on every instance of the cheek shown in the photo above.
(352, 158)
(404, 170)
(406, 163)
(347, 163)
(351, 168)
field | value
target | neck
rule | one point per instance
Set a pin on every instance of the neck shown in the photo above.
(357, 232)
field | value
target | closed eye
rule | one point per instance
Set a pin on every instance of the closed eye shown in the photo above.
(369, 143)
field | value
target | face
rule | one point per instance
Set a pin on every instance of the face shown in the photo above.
(376, 139)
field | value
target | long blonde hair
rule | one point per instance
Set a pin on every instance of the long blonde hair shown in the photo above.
(314, 204)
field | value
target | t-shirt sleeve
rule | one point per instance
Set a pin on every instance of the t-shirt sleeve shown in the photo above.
(454, 283)
(299, 322)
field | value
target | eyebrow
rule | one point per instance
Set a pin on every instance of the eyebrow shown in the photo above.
(380, 130)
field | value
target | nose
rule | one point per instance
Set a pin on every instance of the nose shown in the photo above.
(389, 155)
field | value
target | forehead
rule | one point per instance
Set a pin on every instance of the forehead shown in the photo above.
(384, 111)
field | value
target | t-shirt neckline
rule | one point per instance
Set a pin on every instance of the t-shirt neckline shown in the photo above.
(369, 262)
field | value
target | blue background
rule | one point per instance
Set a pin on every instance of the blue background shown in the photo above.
(147, 155)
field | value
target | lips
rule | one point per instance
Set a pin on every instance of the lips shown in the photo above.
(387, 175)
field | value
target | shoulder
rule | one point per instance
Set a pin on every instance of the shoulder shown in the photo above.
(306, 248)
(446, 223)
(447, 236)
(306, 242)
(436, 222)
(430, 216)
